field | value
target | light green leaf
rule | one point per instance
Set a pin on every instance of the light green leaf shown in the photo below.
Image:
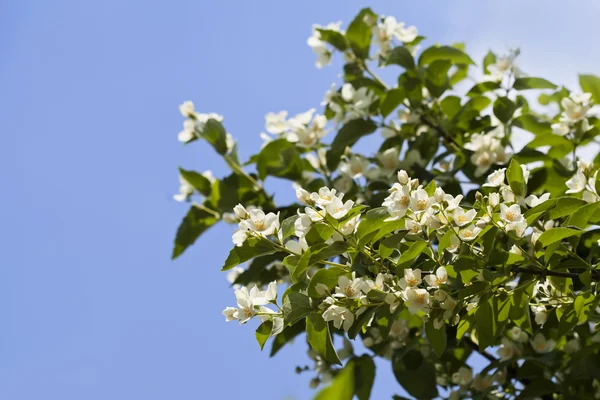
(280, 158)
(489, 59)
(504, 108)
(485, 324)
(263, 332)
(557, 234)
(514, 175)
(532, 83)
(319, 338)
(198, 181)
(590, 84)
(451, 54)
(483, 87)
(582, 215)
(342, 386)
(287, 227)
(409, 256)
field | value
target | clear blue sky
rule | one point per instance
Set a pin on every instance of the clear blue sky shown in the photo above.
(91, 305)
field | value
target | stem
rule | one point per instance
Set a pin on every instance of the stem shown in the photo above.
(365, 67)
(237, 168)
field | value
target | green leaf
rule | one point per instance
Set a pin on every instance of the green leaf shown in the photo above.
(287, 335)
(295, 307)
(316, 253)
(319, 338)
(389, 244)
(485, 324)
(334, 38)
(318, 233)
(590, 84)
(409, 256)
(198, 181)
(326, 276)
(392, 99)
(214, 133)
(483, 87)
(436, 77)
(263, 332)
(194, 224)
(514, 175)
(364, 376)
(371, 220)
(582, 215)
(400, 55)
(532, 83)
(489, 59)
(504, 108)
(359, 33)
(533, 124)
(342, 386)
(251, 248)
(436, 337)
(448, 53)
(287, 226)
(280, 158)
(347, 136)
(416, 374)
(557, 234)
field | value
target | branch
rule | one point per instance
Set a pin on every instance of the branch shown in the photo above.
(475, 347)
(545, 272)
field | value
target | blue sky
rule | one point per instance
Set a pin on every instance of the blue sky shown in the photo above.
(92, 307)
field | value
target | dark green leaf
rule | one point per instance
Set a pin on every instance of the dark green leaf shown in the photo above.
(416, 374)
(334, 38)
(280, 158)
(295, 307)
(326, 276)
(483, 87)
(347, 136)
(504, 108)
(319, 338)
(359, 33)
(514, 175)
(400, 55)
(409, 256)
(251, 248)
(590, 84)
(392, 99)
(287, 335)
(486, 324)
(436, 337)
(342, 386)
(194, 224)
(364, 376)
(198, 181)
(214, 133)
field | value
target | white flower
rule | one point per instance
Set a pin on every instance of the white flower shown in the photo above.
(230, 314)
(389, 159)
(411, 278)
(187, 109)
(508, 350)
(573, 111)
(462, 218)
(303, 196)
(355, 167)
(271, 292)
(261, 223)
(510, 214)
(577, 183)
(302, 224)
(541, 315)
(239, 237)
(403, 177)
(248, 301)
(337, 209)
(454, 244)
(533, 200)
(494, 199)
(185, 190)
(341, 317)
(416, 299)
(541, 345)
(350, 226)
(518, 335)
(319, 47)
(469, 233)
(560, 129)
(572, 346)
(463, 376)
(518, 227)
(398, 201)
(189, 131)
(440, 278)
(420, 200)
(350, 288)
(452, 202)
(297, 247)
(496, 178)
(324, 197)
(276, 123)
(314, 215)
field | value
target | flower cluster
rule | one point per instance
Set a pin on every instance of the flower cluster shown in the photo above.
(253, 303)
(304, 129)
(388, 29)
(488, 150)
(254, 222)
(319, 47)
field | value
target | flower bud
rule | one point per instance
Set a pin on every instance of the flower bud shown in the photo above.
(314, 382)
(438, 323)
(403, 177)
(494, 199)
(478, 196)
(240, 212)
(414, 183)
(187, 109)
(438, 195)
(303, 196)
(440, 295)
(229, 218)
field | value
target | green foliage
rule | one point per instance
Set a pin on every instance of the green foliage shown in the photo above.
(449, 240)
